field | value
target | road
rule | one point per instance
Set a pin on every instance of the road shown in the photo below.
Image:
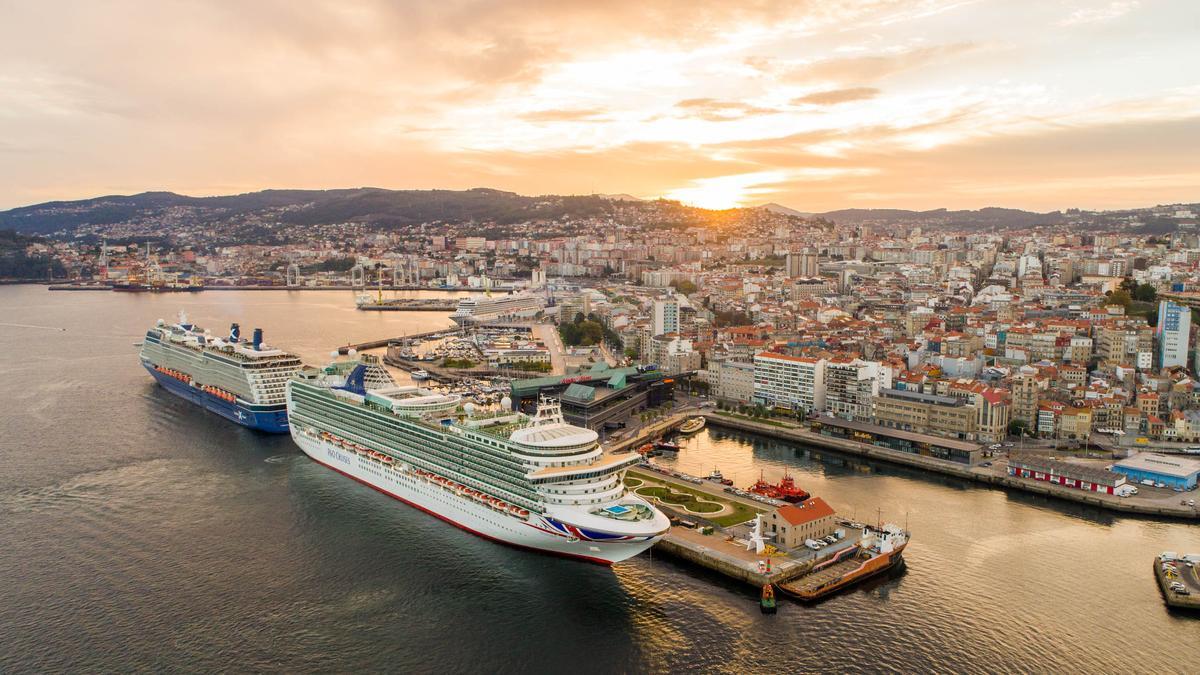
(548, 334)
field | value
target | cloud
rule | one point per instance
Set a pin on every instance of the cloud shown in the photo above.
(571, 115)
(1107, 12)
(575, 96)
(876, 66)
(714, 110)
(835, 96)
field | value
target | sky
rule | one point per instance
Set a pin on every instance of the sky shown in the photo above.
(813, 104)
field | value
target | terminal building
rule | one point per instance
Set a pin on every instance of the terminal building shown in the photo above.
(1170, 470)
(600, 396)
(962, 452)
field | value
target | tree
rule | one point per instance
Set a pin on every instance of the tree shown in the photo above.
(1145, 293)
(684, 286)
(1017, 428)
(1120, 297)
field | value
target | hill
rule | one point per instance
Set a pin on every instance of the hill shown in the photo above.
(780, 208)
(982, 218)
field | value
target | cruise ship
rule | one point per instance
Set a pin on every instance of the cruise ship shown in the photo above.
(531, 481)
(482, 308)
(243, 381)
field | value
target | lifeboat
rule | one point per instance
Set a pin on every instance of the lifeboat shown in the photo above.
(523, 513)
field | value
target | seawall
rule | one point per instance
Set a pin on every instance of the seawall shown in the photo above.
(934, 465)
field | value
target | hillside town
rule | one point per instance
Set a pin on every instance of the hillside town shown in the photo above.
(1058, 332)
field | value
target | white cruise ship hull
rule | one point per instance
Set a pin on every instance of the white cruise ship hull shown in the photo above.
(529, 533)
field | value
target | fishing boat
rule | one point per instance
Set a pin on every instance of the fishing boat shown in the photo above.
(766, 600)
(692, 425)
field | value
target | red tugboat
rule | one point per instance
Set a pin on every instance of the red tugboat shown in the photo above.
(786, 489)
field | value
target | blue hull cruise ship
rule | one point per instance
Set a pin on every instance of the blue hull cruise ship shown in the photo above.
(242, 381)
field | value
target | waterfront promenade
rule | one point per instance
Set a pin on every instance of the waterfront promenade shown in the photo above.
(1152, 501)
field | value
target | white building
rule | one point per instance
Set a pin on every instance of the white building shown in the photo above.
(733, 381)
(666, 315)
(794, 382)
(851, 385)
(1174, 328)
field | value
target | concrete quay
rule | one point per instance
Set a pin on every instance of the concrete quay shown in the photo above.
(724, 551)
(1187, 576)
(1160, 506)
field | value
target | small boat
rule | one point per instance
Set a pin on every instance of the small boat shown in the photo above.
(766, 600)
(692, 425)
(716, 476)
(666, 445)
(419, 374)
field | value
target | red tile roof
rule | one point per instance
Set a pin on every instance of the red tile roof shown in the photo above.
(806, 511)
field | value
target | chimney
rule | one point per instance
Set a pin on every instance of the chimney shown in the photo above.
(257, 339)
(235, 332)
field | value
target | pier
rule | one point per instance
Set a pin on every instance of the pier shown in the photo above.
(1184, 573)
(411, 305)
(378, 344)
(719, 539)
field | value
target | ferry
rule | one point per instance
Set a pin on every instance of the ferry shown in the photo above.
(878, 551)
(692, 425)
(243, 381)
(531, 481)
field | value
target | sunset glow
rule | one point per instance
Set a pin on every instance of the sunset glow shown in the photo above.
(897, 103)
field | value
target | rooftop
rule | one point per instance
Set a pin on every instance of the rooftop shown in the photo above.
(805, 511)
(1168, 465)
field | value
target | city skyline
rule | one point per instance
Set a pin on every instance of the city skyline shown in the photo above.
(919, 105)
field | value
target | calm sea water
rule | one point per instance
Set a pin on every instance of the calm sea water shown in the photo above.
(139, 533)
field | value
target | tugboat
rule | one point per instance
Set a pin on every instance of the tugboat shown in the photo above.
(786, 489)
(766, 601)
(717, 477)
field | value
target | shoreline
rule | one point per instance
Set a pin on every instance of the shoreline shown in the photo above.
(942, 467)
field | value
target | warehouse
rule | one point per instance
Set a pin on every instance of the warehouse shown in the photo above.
(1169, 470)
(1067, 474)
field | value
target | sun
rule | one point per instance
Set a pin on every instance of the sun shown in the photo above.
(726, 192)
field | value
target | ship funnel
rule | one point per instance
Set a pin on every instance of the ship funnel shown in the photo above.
(235, 332)
(257, 339)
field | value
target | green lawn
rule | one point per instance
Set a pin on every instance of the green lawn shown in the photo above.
(740, 513)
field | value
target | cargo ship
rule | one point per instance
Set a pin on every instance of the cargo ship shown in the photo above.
(785, 490)
(530, 481)
(878, 551)
(242, 381)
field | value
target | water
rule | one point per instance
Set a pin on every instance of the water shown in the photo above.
(140, 533)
